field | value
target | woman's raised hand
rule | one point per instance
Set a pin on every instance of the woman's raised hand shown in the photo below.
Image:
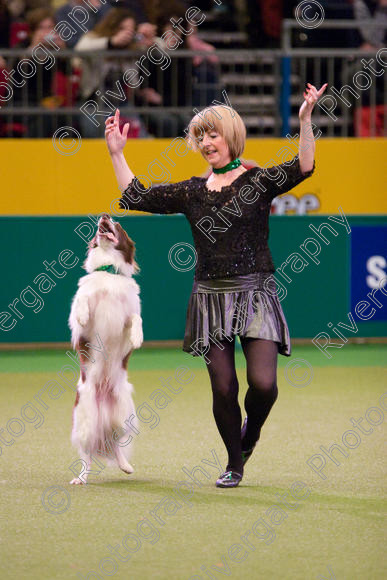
(115, 140)
(311, 96)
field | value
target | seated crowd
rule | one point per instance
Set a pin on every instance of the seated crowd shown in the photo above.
(118, 26)
(133, 27)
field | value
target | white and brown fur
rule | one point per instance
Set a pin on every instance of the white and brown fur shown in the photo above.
(106, 308)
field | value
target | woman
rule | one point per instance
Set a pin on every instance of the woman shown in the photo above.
(231, 271)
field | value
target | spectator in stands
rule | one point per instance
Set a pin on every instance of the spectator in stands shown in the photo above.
(264, 23)
(175, 83)
(144, 26)
(116, 31)
(135, 6)
(18, 26)
(159, 11)
(5, 24)
(187, 82)
(370, 117)
(50, 88)
(376, 10)
(62, 14)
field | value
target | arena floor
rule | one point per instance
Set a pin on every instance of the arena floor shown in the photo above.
(331, 527)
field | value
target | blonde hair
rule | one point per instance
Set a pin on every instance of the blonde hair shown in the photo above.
(225, 121)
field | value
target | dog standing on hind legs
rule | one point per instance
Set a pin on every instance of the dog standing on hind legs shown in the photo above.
(106, 309)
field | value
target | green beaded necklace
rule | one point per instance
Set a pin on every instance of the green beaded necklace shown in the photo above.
(232, 165)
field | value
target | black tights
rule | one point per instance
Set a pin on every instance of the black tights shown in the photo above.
(261, 362)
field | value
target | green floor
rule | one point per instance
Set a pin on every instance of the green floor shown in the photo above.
(335, 529)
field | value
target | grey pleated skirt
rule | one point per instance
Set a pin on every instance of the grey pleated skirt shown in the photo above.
(245, 306)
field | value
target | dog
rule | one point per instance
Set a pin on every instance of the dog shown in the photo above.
(106, 309)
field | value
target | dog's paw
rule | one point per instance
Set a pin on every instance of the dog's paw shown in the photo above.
(82, 311)
(77, 481)
(137, 340)
(83, 318)
(136, 335)
(126, 467)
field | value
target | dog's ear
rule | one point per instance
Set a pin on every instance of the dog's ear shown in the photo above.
(126, 246)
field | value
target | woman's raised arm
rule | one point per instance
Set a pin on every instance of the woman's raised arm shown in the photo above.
(307, 143)
(115, 141)
(170, 198)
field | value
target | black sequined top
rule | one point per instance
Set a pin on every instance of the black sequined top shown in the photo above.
(230, 227)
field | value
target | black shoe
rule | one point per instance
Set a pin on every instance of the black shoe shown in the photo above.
(229, 479)
(246, 453)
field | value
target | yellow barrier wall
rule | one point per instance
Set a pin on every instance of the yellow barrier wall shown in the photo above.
(38, 180)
